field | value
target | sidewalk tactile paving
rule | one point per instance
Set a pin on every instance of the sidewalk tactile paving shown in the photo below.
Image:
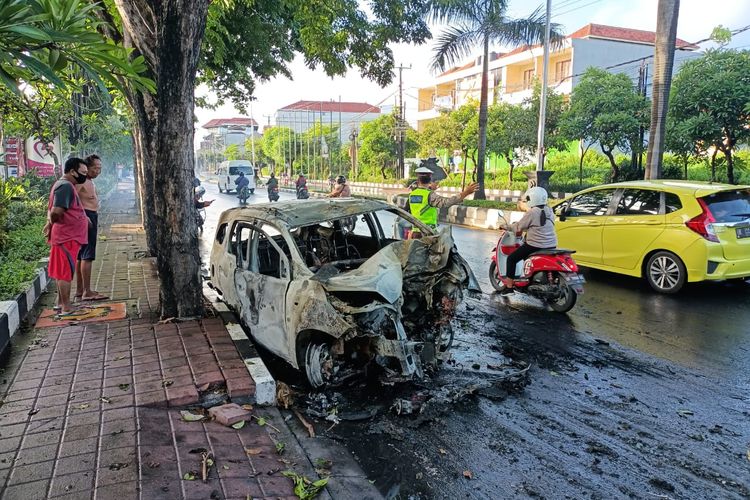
(93, 410)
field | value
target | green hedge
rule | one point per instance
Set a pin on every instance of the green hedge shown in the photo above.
(22, 248)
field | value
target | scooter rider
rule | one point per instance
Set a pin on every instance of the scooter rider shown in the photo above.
(273, 187)
(539, 224)
(342, 189)
(241, 182)
(424, 202)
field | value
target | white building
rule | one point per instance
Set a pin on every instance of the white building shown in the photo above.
(223, 132)
(511, 75)
(301, 115)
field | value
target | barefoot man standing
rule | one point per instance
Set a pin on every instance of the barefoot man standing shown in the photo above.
(87, 254)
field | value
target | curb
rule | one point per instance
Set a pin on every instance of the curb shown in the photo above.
(13, 312)
(265, 385)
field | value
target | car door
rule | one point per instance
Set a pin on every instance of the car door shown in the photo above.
(638, 221)
(261, 281)
(581, 224)
(225, 257)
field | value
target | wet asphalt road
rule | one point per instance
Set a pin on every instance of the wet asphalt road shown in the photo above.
(631, 394)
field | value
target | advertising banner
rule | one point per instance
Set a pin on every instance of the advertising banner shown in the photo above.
(40, 157)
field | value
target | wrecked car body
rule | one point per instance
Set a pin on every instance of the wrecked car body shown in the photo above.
(319, 284)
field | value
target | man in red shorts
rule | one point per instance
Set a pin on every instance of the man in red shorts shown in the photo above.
(66, 229)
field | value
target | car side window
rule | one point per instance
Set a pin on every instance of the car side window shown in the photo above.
(639, 202)
(591, 203)
(221, 233)
(240, 239)
(672, 203)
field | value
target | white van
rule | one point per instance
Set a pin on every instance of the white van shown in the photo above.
(229, 171)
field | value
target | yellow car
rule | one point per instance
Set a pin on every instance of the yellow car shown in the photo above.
(667, 231)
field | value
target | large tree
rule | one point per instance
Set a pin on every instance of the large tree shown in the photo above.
(379, 146)
(606, 109)
(246, 41)
(664, 46)
(710, 97)
(482, 23)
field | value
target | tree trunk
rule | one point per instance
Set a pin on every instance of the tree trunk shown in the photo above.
(713, 165)
(615, 174)
(168, 34)
(482, 148)
(580, 168)
(181, 27)
(664, 47)
(686, 161)
(144, 108)
(511, 166)
(730, 165)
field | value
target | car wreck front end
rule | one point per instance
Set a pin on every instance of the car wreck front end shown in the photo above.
(393, 308)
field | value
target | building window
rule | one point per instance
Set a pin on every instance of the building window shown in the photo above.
(562, 70)
(528, 78)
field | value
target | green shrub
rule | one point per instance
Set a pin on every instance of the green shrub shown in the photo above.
(19, 256)
(15, 274)
(21, 213)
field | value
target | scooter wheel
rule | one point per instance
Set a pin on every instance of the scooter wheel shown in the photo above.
(495, 280)
(567, 298)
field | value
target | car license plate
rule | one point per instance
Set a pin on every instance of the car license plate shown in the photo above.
(743, 232)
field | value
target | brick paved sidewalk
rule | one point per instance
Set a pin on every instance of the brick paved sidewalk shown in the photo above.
(93, 410)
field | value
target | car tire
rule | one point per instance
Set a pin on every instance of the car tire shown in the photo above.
(495, 280)
(318, 364)
(665, 272)
(252, 191)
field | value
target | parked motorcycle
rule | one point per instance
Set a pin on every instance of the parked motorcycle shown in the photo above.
(302, 193)
(549, 275)
(243, 195)
(273, 194)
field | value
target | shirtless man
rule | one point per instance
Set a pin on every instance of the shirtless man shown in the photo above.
(90, 202)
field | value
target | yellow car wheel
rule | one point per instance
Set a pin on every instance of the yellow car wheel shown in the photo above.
(665, 272)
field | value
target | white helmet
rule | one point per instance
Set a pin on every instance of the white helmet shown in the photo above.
(423, 170)
(536, 196)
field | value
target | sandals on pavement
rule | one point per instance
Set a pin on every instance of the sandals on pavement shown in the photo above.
(96, 297)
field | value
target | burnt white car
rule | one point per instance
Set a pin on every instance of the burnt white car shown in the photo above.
(323, 285)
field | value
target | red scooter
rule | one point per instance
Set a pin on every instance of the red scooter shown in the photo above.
(549, 275)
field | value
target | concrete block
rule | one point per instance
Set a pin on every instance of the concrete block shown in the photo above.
(265, 385)
(229, 414)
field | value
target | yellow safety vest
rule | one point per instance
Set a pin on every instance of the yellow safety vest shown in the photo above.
(420, 208)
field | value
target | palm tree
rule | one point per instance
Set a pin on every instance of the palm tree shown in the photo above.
(664, 45)
(482, 22)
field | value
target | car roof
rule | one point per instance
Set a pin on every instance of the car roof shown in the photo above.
(296, 213)
(695, 188)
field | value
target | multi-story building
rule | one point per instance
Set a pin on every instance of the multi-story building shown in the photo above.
(223, 132)
(511, 75)
(301, 115)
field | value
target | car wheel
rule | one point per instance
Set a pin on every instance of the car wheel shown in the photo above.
(495, 280)
(252, 191)
(665, 272)
(319, 366)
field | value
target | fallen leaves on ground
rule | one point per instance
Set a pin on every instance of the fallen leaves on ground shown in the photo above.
(83, 406)
(191, 417)
(685, 413)
(304, 488)
(189, 476)
(253, 451)
(239, 425)
(468, 474)
(124, 387)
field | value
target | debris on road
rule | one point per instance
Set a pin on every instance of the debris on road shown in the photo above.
(229, 414)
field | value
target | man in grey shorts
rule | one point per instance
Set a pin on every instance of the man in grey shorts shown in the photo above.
(87, 254)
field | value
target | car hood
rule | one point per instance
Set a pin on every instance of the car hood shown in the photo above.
(385, 272)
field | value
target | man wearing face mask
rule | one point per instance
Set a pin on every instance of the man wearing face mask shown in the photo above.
(66, 230)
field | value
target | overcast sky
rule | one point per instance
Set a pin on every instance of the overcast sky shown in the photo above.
(696, 21)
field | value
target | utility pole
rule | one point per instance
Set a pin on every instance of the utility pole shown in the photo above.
(636, 157)
(537, 178)
(401, 123)
(340, 142)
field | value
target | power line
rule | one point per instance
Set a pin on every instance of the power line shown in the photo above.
(576, 8)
